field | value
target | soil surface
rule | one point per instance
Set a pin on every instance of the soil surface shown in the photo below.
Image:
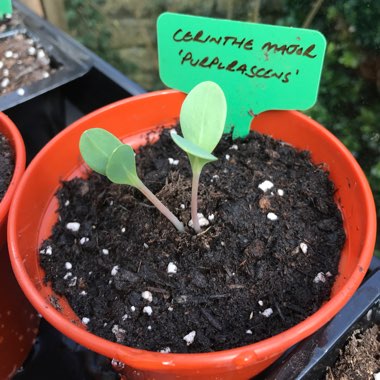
(22, 59)
(360, 358)
(6, 165)
(246, 277)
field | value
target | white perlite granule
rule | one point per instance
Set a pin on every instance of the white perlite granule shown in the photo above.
(147, 295)
(148, 310)
(118, 332)
(85, 320)
(114, 270)
(267, 312)
(320, 277)
(248, 332)
(280, 192)
(73, 281)
(32, 50)
(83, 240)
(265, 186)
(47, 251)
(189, 338)
(5, 82)
(304, 247)
(272, 216)
(40, 53)
(165, 350)
(203, 222)
(173, 162)
(105, 251)
(73, 226)
(172, 268)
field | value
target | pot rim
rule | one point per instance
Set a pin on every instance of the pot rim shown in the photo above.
(241, 356)
(10, 131)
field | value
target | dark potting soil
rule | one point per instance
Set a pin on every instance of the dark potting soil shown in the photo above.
(360, 358)
(22, 59)
(6, 165)
(246, 277)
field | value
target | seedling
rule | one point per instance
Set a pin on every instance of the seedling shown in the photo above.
(107, 155)
(202, 117)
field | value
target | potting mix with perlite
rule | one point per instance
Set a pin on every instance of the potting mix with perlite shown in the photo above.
(6, 165)
(22, 59)
(265, 260)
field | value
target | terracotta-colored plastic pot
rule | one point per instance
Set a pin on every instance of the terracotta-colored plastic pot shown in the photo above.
(18, 320)
(33, 214)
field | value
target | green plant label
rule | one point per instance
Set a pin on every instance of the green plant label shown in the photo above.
(259, 67)
(5, 7)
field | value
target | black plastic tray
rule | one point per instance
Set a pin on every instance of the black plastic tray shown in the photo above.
(84, 83)
(71, 61)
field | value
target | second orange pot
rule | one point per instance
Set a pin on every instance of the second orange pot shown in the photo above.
(18, 320)
(33, 214)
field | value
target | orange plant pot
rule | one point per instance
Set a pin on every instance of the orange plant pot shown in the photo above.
(18, 320)
(33, 214)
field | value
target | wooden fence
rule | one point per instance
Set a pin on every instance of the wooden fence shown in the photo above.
(53, 10)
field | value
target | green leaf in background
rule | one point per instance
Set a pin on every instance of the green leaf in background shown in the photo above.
(96, 146)
(121, 167)
(203, 115)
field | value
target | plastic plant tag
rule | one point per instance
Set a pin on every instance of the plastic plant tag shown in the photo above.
(5, 7)
(259, 67)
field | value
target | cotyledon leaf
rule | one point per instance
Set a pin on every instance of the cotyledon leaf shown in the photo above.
(96, 146)
(121, 167)
(203, 115)
(192, 149)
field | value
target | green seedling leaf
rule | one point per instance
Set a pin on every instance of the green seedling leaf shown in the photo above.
(96, 146)
(121, 167)
(198, 157)
(203, 115)
(192, 149)
(107, 155)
